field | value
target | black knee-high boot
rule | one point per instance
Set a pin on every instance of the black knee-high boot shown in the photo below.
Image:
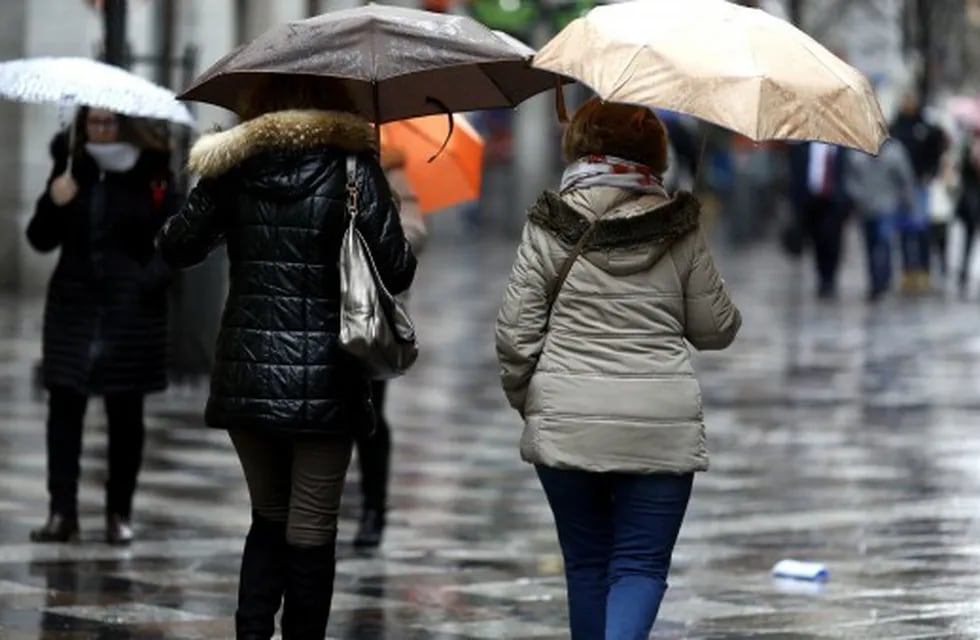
(263, 579)
(309, 590)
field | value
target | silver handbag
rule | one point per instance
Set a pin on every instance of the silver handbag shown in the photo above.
(374, 325)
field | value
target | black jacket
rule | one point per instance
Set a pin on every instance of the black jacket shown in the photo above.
(968, 205)
(924, 141)
(105, 327)
(799, 188)
(274, 190)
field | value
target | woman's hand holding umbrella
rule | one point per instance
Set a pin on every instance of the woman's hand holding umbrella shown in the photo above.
(63, 189)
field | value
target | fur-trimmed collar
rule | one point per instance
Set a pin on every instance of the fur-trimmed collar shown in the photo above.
(217, 153)
(665, 223)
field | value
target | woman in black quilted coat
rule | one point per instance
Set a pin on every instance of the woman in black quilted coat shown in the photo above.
(273, 189)
(105, 330)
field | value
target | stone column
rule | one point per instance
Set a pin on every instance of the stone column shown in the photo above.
(210, 27)
(12, 18)
(76, 32)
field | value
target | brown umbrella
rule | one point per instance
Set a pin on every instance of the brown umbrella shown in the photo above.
(396, 63)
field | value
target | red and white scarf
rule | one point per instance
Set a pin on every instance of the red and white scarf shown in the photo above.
(610, 171)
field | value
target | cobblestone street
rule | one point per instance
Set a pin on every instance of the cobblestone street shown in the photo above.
(840, 432)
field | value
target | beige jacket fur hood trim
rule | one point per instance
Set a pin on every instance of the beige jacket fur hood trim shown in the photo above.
(215, 154)
(607, 384)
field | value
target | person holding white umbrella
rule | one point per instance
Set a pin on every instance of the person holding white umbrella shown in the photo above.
(105, 331)
(105, 318)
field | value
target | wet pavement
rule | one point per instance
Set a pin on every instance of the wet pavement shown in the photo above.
(841, 433)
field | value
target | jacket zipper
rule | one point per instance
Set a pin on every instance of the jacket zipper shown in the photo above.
(96, 347)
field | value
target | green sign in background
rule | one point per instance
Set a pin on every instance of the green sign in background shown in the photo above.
(518, 17)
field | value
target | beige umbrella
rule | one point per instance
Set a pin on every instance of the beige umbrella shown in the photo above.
(740, 68)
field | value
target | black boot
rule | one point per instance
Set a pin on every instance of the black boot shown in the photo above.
(370, 529)
(374, 456)
(309, 591)
(262, 580)
(58, 528)
(118, 530)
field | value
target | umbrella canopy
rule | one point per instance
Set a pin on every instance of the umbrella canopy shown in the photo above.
(73, 82)
(740, 68)
(395, 63)
(454, 175)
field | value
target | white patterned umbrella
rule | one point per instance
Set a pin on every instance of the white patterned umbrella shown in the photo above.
(73, 82)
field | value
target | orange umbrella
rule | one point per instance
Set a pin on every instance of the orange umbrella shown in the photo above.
(456, 173)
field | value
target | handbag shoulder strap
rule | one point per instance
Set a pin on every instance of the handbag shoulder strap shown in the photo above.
(566, 267)
(353, 204)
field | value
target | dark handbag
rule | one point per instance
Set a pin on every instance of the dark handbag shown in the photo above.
(374, 325)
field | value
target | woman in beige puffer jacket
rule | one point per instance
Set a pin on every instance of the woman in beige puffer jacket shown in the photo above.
(604, 379)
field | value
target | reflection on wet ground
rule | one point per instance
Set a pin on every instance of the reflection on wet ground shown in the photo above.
(841, 433)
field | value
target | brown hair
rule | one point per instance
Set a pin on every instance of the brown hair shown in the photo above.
(139, 132)
(279, 92)
(153, 135)
(622, 130)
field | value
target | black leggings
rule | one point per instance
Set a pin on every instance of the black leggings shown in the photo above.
(66, 415)
(299, 482)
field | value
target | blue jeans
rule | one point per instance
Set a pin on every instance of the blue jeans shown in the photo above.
(878, 241)
(617, 533)
(915, 250)
(915, 234)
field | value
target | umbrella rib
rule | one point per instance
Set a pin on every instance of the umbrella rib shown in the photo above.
(497, 86)
(622, 80)
(806, 45)
(762, 84)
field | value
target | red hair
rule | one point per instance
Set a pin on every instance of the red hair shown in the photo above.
(615, 129)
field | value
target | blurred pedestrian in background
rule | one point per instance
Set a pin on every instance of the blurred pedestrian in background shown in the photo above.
(881, 189)
(943, 190)
(820, 201)
(274, 189)
(612, 277)
(105, 328)
(374, 449)
(968, 204)
(925, 143)
(105, 316)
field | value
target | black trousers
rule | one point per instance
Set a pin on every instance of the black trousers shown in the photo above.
(824, 221)
(374, 454)
(970, 231)
(127, 431)
(939, 239)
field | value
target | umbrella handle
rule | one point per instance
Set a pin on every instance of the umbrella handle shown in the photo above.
(452, 125)
(560, 107)
(71, 147)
